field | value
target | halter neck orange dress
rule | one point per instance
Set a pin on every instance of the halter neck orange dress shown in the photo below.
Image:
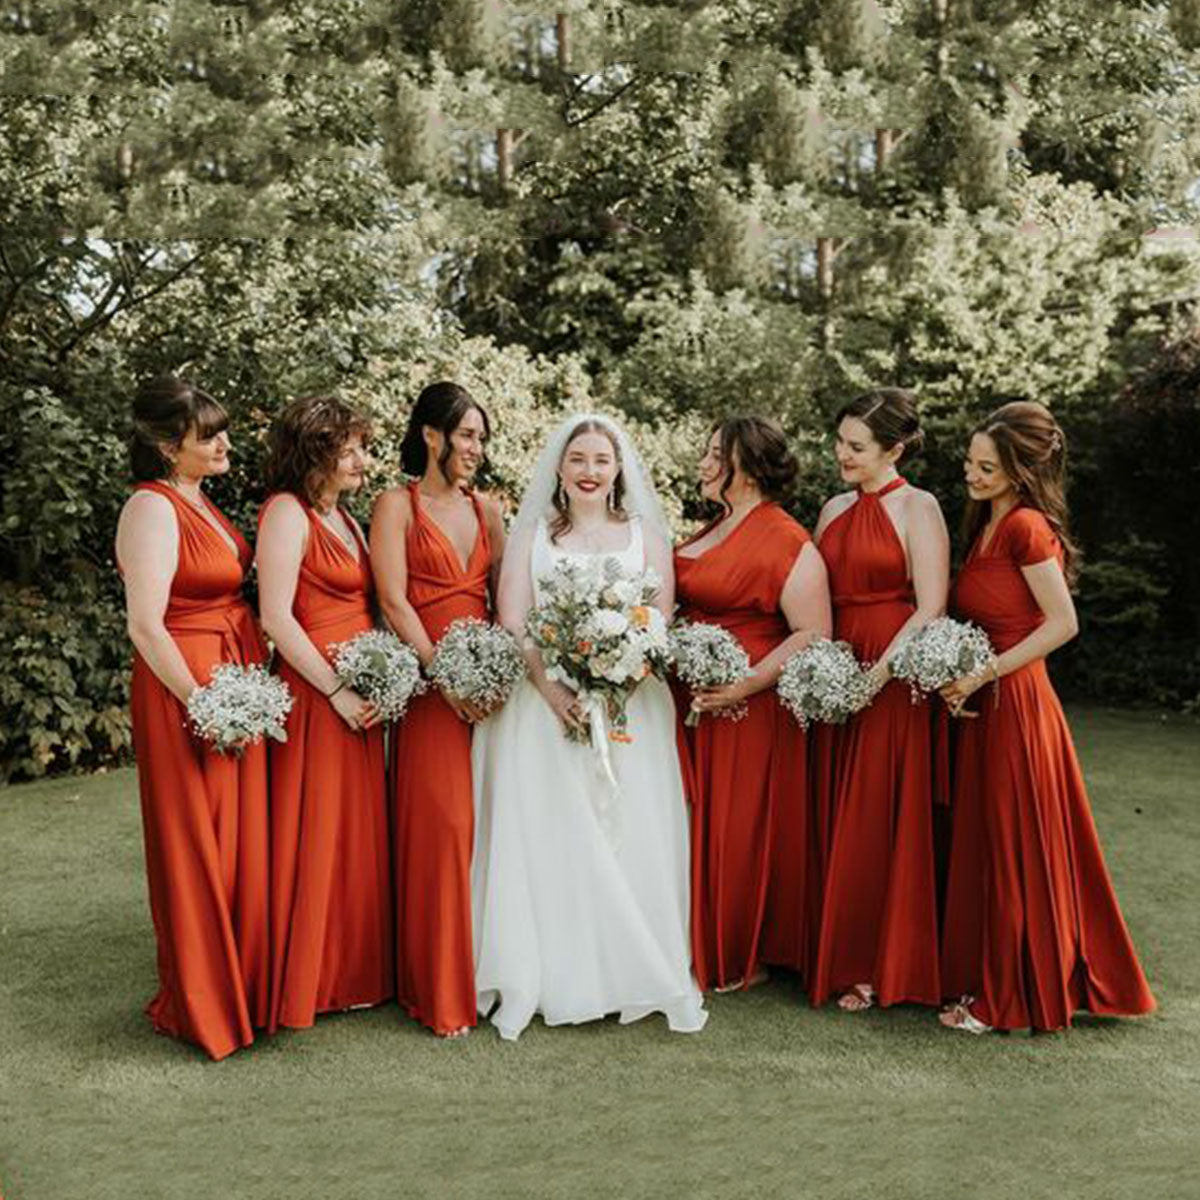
(1033, 930)
(204, 815)
(331, 890)
(879, 914)
(431, 793)
(747, 779)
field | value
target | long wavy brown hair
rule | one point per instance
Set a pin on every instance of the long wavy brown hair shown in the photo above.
(561, 522)
(304, 442)
(1032, 449)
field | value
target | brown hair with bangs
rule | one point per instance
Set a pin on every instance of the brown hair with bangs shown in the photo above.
(1032, 450)
(166, 409)
(304, 442)
(759, 447)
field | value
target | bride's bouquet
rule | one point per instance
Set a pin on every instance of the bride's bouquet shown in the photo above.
(240, 706)
(939, 653)
(708, 656)
(380, 668)
(478, 662)
(823, 682)
(599, 634)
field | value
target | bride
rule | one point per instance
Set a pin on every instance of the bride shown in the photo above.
(581, 887)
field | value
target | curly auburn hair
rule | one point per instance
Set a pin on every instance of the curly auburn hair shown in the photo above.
(1032, 449)
(759, 447)
(304, 442)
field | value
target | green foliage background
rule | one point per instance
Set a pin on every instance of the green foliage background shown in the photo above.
(670, 210)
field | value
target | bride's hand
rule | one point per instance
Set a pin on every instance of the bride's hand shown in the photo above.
(565, 704)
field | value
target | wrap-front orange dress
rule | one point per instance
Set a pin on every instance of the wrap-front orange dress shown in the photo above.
(879, 914)
(431, 794)
(747, 779)
(331, 891)
(204, 815)
(1033, 930)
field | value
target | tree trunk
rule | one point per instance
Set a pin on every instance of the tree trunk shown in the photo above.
(825, 268)
(563, 41)
(883, 149)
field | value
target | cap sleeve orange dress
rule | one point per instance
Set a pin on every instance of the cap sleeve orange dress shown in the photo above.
(1033, 930)
(879, 915)
(747, 779)
(331, 891)
(204, 815)
(431, 793)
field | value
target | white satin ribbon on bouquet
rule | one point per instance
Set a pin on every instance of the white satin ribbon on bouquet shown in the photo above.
(604, 799)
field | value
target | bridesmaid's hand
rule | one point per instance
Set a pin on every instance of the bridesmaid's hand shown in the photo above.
(716, 698)
(956, 694)
(357, 711)
(565, 704)
(878, 678)
(465, 710)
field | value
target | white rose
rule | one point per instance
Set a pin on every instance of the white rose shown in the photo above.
(608, 623)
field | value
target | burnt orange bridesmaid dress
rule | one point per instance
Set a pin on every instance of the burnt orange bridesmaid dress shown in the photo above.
(431, 794)
(1033, 930)
(879, 914)
(746, 779)
(204, 815)
(331, 892)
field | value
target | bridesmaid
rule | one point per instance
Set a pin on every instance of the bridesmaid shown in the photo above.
(887, 550)
(1033, 932)
(204, 815)
(331, 899)
(755, 572)
(436, 543)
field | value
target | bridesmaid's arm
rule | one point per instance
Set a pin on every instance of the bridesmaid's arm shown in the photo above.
(1049, 587)
(805, 604)
(282, 539)
(148, 553)
(929, 558)
(661, 562)
(515, 601)
(389, 527)
(494, 519)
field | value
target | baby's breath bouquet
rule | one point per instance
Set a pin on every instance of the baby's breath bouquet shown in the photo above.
(823, 682)
(599, 634)
(709, 656)
(478, 662)
(380, 668)
(939, 653)
(240, 706)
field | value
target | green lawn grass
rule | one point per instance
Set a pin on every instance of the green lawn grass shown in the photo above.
(772, 1099)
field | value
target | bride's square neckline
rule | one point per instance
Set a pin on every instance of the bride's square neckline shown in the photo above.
(555, 548)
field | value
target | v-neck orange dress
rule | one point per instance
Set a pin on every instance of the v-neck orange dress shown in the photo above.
(879, 915)
(752, 879)
(1033, 930)
(433, 815)
(331, 891)
(204, 815)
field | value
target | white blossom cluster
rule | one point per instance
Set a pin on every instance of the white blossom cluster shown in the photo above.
(380, 668)
(709, 656)
(939, 653)
(239, 706)
(599, 632)
(823, 682)
(478, 662)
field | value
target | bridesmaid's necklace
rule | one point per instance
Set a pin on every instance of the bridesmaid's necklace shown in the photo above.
(196, 502)
(324, 515)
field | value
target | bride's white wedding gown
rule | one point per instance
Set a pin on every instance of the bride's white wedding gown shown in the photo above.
(574, 917)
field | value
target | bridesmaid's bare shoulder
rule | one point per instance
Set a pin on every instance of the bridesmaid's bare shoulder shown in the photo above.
(146, 506)
(919, 501)
(392, 505)
(832, 509)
